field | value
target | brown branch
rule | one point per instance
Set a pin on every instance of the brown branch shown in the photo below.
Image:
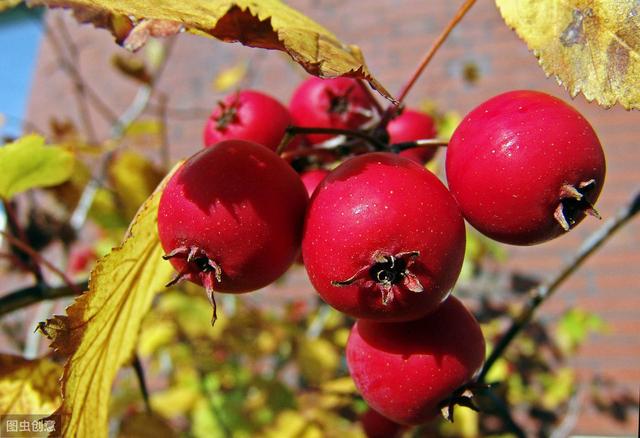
(82, 89)
(34, 294)
(14, 225)
(434, 49)
(35, 255)
(144, 389)
(545, 290)
(378, 145)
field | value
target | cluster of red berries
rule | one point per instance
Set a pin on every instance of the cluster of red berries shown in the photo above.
(382, 238)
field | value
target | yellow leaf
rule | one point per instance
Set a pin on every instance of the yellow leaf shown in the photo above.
(144, 425)
(591, 47)
(144, 127)
(288, 424)
(318, 360)
(28, 386)
(102, 325)
(8, 4)
(176, 401)
(342, 385)
(268, 24)
(230, 77)
(27, 163)
(133, 178)
(464, 425)
(156, 334)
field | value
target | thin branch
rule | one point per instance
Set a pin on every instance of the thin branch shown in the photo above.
(15, 227)
(182, 113)
(426, 143)
(434, 49)
(568, 423)
(164, 137)
(135, 109)
(378, 145)
(34, 294)
(139, 369)
(38, 259)
(504, 413)
(79, 83)
(545, 290)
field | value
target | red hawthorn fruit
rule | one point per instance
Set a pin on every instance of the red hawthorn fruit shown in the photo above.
(80, 258)
(330, 103)
(413, 125)
(376, 425)
(407, 370)
(312, 178)
(231, 217)
(525, 167)
(248, 115)
(383, 239)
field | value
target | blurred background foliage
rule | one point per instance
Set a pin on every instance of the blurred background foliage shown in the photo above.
(276, 368)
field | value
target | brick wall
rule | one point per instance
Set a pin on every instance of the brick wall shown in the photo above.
(393, 35)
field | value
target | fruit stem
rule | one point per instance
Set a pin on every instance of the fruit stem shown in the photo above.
(378, 145)
(374, 101)
(286, 139)
(425, 143)
(432, 51)
(544, 291)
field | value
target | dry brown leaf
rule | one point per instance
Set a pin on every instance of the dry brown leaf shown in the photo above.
(268, 24)
(590, 46)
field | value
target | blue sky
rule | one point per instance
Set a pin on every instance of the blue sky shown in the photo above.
(20, 34)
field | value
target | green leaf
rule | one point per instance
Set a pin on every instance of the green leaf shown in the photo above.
(27, 163)
(574, 327)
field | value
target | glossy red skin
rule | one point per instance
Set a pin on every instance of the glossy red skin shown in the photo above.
(508, 159)
(376, 425)
(312, 178)
(413, 125)
(382, 202)
(405, 370)
(311, 102)
(243, 205)
(260, 118)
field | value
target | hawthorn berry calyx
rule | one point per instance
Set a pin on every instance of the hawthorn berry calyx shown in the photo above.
(386, 274)
(574, 203)
(200, 269)
(228, 113)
